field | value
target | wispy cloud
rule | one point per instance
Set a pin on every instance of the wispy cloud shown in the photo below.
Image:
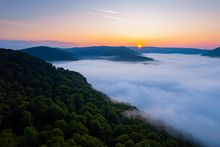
(89, 12)
(115, 18)
(108, 11)
(17, 23)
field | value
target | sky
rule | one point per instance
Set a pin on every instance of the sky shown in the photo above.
(180, 90)
(179, 23)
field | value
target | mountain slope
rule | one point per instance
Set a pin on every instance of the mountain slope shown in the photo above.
(50, 54)
(44, 106)
(83, 53)
(111, 53)
(170, 50)
(213, 53)
(103, 51)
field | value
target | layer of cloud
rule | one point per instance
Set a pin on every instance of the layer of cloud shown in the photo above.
(181, 90)
(17, 23)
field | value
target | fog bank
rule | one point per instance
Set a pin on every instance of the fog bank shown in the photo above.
(181, 90)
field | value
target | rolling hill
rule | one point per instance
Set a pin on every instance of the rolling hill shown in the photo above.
(46, 106)
(170, 50)
(83, 53)
(50, 54)
(213, 53)
(111, 53)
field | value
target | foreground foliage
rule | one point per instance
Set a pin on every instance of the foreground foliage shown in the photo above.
(44, 106)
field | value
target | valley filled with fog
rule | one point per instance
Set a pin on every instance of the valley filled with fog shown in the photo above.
(183, 91)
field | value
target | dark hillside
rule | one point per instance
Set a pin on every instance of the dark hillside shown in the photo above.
(50, 54)
(44, 106)
(213, 53)
(119, 53)
(170, 50)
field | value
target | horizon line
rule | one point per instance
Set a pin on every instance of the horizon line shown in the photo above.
(68, 44)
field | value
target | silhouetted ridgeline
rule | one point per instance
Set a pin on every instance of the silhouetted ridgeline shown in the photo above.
(96, 52)
(50, 54)
(42, 105)
(213, 53)
(170, 50)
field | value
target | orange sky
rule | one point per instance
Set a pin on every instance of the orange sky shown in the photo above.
(174, 23)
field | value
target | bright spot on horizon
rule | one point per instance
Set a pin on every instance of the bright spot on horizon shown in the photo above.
(140, 46)
(171, 23)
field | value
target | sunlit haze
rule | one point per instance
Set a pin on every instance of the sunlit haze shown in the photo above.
(179, 23)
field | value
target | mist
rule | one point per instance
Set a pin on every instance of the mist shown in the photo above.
(181, 90)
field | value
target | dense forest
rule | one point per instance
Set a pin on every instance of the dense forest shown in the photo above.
(41, 105)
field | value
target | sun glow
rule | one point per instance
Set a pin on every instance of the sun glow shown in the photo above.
(140, 46)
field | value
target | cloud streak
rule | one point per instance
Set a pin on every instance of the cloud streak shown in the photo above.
(108, 14)
(113, 12)
(89, 12)
(115, 18)
(17, 23)
(181, 90)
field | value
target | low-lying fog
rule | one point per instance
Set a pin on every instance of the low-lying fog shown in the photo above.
(181, 90)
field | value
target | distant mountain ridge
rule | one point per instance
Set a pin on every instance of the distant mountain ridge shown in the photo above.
(81, 53)
(213, 53)
(170, 50)
(49, 53)
(103, 51)
(106, 52)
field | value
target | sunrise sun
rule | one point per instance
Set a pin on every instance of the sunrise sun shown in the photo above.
(140, 46)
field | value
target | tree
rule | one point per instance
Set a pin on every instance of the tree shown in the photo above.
(70, 143)
(119, 129)
(120, 145)
(143, 143)
(56, 141)
(122, 138)
(129, 143)
(76, 127)
(88, 141)
(155, 143)
(61, 124)
(57, 132)
(171, 143)
(7, 138)
(55, 113)
(154, 136)
(31, 136)
(27, 119)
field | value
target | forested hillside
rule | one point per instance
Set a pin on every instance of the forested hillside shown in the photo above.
(87, 53)
(50, 54)
(117, 53)
(171, 50)
(44, 106)
(213, 53)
